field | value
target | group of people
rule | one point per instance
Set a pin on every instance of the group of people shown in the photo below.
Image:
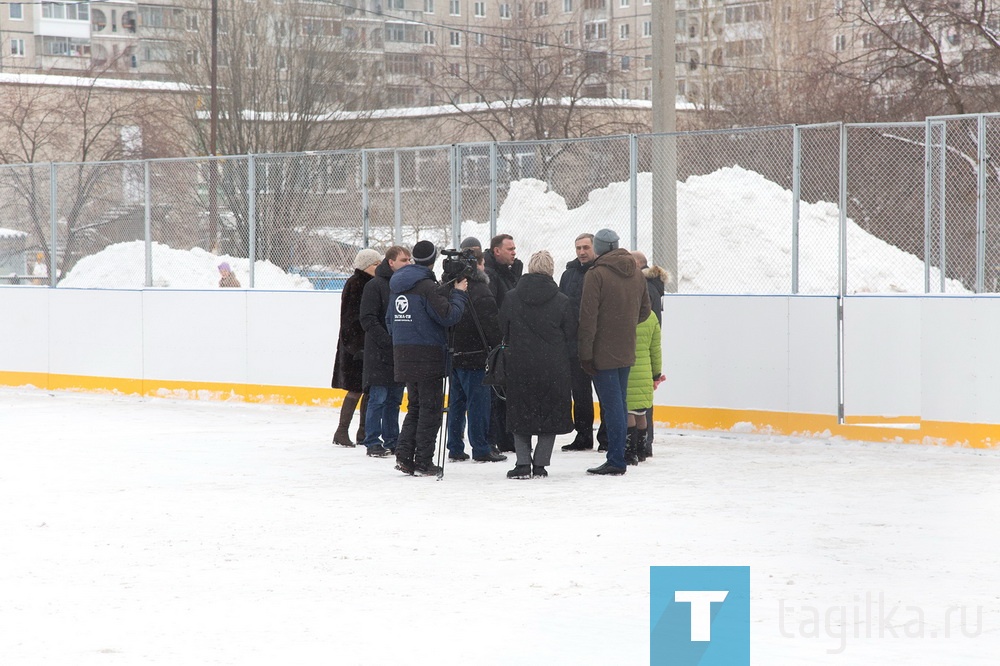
(402, 329)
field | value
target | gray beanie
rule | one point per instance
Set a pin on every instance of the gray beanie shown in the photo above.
(605, 240)
(471, 241)
(424, 253)
(366, 258)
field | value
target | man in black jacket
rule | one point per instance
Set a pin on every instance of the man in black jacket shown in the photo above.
(504, 270)
(418, 318)
(384, 392)
(571, 284)
(467, 396)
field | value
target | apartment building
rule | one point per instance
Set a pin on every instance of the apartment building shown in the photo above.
(435, 51)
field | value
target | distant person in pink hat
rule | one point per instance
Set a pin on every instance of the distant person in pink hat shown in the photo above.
(227, 277)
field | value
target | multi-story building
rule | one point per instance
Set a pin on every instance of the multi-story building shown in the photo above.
(432, 51)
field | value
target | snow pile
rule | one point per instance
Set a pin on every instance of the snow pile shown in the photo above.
(123, 266)
(734, 235)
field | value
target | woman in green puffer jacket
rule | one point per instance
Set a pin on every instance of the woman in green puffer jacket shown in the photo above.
(643, 378)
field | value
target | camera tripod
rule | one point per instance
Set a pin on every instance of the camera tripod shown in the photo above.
(443, 433)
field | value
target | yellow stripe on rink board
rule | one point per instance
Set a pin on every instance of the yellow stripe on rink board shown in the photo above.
(876, 429)
(975, 435)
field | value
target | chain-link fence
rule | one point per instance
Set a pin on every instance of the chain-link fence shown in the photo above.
(827, 209)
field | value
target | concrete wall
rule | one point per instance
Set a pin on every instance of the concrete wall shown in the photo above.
(921, 369)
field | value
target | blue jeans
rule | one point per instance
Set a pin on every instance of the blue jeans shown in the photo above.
(468, 398)
(382, 417)
(611, 386)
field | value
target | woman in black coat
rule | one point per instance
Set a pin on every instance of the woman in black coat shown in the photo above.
(348, 366)
(539, 327)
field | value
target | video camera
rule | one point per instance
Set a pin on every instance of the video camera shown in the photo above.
(459, 264)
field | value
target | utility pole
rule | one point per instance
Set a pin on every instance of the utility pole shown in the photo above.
(664, 248)
(213, 121)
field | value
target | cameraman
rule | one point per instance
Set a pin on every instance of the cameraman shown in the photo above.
(467, 396)
(418, 317)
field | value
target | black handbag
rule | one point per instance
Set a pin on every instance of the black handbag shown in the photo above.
(496, 366)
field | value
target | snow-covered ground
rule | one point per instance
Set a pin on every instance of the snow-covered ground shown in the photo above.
(151, 531)
(734, 236)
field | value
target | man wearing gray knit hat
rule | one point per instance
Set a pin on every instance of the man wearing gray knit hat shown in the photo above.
(614, 301)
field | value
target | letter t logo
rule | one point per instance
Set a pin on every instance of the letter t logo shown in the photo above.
(701, 610)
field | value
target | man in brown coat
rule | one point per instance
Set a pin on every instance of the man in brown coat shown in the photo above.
(614, 301)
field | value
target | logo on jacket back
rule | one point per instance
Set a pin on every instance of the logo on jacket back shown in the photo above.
(402, 305)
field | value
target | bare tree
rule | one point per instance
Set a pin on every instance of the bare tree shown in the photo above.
(292, 77)
(922, 57)
(525, 76)
(80, 124)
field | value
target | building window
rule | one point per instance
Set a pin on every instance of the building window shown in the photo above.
(840, 43)
(624, 3)
(542, 40)
(16, 13)
(568, 36)
(455, 8)
(429, 37)
(647, 28)
(17, 48)
(191, 21)
(71, 11)
(623, 31)
(624, 93)
(567, 5)
(455, 38)
(505, 10)
(541, 9)
(595, 30)
(192, 56)
(480, 39)
(626, 63)
(428, 6)
(479, 9)
(455, 69)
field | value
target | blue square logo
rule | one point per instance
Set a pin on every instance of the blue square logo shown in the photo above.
(699, 616)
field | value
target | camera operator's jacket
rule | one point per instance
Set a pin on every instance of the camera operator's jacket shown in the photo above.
(418, 319)
(467, 343)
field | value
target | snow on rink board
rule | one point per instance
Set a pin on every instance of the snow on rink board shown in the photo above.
(152, 531)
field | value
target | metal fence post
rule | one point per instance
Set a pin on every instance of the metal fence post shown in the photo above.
(493, 189)
(842, 286)
(942, 200)
(397, 193)
(633, 189)
(981, 204)
(456, 194)
(148, 222)
(796, 197)
(252, 212)
(53, 222)
(842, 203)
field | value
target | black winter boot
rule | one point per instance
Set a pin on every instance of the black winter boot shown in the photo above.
(630, 457)
(640, 446)
(343, 435)
(520, 472)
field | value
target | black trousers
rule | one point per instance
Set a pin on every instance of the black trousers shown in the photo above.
(417, 437)
(583, 403)
(499, 438)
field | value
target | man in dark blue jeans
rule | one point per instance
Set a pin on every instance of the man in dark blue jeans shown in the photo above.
(384, 393)
(467, 396)
(614, 301)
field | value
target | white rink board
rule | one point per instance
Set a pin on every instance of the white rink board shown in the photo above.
(95, 332)
(770, 353)
(25, 329)
(774, 353)
(292, 337)
(882, 355)
(960, 349)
